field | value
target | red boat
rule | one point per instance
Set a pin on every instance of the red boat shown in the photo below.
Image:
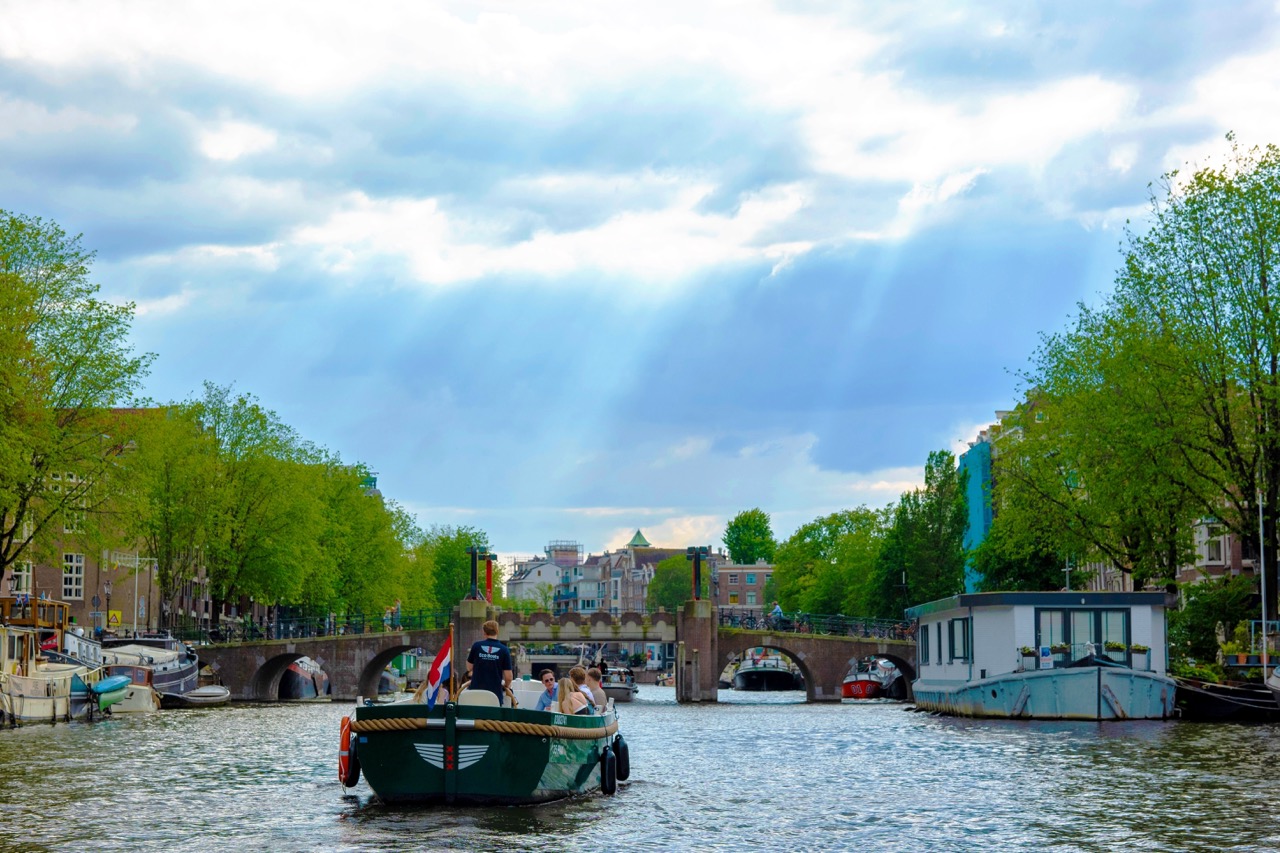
(870, 679)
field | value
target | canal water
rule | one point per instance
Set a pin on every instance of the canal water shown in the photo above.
(758, 771)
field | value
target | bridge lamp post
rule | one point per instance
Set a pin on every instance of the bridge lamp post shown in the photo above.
(106, 588)
(696, 554)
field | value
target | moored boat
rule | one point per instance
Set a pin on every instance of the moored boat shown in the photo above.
(468, 753)
(971, 661)
(140, 695)
(304, 681)
(1211, 702)
(37, 683)
(174, 666)
(208, 696)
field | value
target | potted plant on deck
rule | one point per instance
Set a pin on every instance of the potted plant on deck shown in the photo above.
(1060, 649)
(1113, 648)
(1138, 656)
(1231, 652)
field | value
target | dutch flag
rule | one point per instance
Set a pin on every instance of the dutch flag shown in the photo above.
(439, 672)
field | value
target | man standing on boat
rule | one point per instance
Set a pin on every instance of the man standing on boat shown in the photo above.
(489, 662)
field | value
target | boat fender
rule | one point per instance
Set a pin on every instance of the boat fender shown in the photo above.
(608, 771)
(348, 762)
(622, 754)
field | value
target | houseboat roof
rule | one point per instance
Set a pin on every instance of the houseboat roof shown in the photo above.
(1065, 598)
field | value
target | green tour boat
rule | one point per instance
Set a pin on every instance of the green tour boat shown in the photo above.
(474, 752)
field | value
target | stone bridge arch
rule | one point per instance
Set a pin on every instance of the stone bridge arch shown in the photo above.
(823, 660)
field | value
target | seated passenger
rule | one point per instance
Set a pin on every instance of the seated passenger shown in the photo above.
(547, 699)
(571, 700)
(579, 677)
(597, 689)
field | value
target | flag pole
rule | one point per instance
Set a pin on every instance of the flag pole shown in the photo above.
(453, 693)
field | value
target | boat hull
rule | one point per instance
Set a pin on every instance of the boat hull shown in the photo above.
(860, 688)
(304, 683)
(1206, 701)
(478, 755)
(1070, 693)
(621, 692)
(765, 678)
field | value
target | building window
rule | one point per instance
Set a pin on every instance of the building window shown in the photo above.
(924, 646)
(1215, 550)
(733, 598)
(751, 580)
(73, 577)
(958, 635)
(733, 578)
(751, 598)
(22, 577)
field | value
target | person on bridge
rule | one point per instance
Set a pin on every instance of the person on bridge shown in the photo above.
(547, 699)
(489, 662)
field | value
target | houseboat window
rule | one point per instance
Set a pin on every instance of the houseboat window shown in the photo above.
(1078, 626)
(924, 646)
(1083, 630)
(958, 629)
(939, 642)
(1115, 626)
(1051, 627)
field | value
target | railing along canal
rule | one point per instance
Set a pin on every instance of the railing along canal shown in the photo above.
(322, 626)
(818, 623)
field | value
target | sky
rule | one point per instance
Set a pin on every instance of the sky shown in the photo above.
(561, 271)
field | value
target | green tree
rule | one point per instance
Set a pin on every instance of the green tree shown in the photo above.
(167, 480)
(823, 567)
(65, 365)
(265, 512)
(1009, 559)
(1206, 605)
(749, 537)
(922, 558)
(444, 563)
(672, 583)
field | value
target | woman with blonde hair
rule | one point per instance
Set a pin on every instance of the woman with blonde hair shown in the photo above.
(569, 700)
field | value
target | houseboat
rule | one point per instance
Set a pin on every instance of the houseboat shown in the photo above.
(1044, 655)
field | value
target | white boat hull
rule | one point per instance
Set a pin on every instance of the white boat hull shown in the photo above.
(1070, 693)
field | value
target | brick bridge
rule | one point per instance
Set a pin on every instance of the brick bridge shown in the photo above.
(252, 671)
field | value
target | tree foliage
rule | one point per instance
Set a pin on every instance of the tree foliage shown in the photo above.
(672, 583)
(823, 567)
(65, 364)
(443, 565)
(922, 557)
(749, 537)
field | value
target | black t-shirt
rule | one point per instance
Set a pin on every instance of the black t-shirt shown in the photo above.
(489, 658)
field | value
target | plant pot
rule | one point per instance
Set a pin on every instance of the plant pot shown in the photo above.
(1242, 659)
(1253, 660)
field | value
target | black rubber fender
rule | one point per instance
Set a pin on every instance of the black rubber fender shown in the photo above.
(622, 754)
(608, 771)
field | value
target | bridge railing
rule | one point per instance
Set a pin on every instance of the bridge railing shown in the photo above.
(819, 623)
(337, 625)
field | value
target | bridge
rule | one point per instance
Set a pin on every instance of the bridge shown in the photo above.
(355, 662)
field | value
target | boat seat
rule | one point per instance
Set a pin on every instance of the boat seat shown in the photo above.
(478, 697)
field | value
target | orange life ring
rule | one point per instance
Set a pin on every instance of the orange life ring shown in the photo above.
(348, 763)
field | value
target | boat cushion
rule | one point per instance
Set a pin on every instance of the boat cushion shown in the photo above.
(478, 697)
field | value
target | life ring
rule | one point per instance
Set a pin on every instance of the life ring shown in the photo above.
(348, 761)
(608, 771)
(623, 757)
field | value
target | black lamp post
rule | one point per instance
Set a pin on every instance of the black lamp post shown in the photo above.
(106, 588)
(696, 554)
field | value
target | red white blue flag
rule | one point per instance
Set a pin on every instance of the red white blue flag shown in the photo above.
(439, 672)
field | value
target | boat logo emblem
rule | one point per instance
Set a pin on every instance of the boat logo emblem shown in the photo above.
(433, 754)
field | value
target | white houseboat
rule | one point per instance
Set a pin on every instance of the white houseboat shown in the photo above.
(1044, 655)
